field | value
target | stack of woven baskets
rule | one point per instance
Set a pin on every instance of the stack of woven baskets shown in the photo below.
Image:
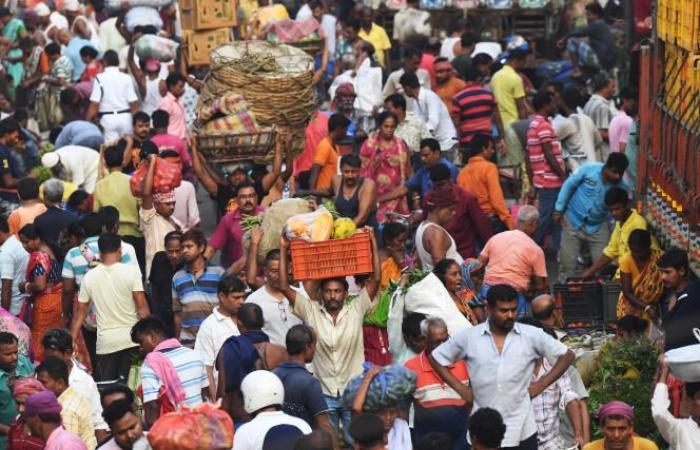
(276, 81)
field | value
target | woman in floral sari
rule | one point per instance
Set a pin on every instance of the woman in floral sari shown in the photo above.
(385, 160)
(43, 284)
(640, 278)
(12, 31)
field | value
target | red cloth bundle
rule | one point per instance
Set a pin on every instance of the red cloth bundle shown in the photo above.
(205, 427)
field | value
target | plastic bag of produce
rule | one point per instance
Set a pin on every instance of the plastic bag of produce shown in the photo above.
(390, 387)
(166, 178)
(115, 5)
(275, 218)
(205, 427)
(142, 16)
(313, 227)
(152, 46)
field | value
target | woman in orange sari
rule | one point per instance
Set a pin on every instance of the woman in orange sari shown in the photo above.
(394, 259)
(386, 161)
(43, 284)
(640, 279)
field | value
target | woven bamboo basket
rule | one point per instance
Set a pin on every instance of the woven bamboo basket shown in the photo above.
(275, 79)
(228, 148)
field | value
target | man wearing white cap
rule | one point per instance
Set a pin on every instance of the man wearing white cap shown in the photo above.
(113, 99)
(52, 21)
(79, 24)
(74, 163)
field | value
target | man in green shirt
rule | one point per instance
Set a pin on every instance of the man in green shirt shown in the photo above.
(12, 366)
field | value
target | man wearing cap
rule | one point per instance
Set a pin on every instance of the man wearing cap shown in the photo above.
(156, 215)
(43, 415)
(113, 99)
(433, 242)
(74, 163)
(51, 21)
(617, 423)
(79, 24)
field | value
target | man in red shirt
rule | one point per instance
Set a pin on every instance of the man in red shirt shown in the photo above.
(545, 165)
(474, 110)
(437, 406)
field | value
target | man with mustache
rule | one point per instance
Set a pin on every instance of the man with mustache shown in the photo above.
(501, 355)
(338, 325)
(229, 234)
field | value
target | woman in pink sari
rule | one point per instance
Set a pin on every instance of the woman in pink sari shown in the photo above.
(385, 160)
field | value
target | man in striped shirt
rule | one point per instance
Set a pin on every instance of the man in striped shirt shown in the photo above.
(474, 110)
(194, 288)
(545, 165)
(171, 375)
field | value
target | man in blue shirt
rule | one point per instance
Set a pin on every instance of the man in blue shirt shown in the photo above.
(581, 207)
(303, 397)
(78, 132)
(420, 183)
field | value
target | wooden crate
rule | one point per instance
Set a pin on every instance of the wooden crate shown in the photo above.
(200, 15)
(201, 43)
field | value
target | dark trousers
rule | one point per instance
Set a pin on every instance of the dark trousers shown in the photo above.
(528, 444)
(139, 244)
(548, 199)
(115, 366)
(90, 338)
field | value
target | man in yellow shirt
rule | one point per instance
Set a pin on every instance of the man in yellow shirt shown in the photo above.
(509, 91)
(617, 423)
(626, 221)
(375, 35)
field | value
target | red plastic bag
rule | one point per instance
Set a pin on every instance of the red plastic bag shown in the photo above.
(205, 427)
(167, 177)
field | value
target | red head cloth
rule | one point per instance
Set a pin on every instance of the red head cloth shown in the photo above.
(27, 386)
(441, 197)
(44, 402)
(615, 408)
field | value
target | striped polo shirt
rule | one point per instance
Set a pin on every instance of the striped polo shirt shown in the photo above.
(474, 106)
(195, 298)
(190, 371)
(540, 132)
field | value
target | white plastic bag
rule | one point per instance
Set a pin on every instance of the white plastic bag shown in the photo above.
(114, 5)
(142, 16)
(428, 297)
(313, 227)
(160, 48)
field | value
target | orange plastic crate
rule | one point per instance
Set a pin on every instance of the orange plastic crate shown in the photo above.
(332, 258)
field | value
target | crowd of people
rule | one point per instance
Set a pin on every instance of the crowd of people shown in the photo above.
(119, 306)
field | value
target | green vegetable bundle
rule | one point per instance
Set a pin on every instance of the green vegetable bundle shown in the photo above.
(626, 373)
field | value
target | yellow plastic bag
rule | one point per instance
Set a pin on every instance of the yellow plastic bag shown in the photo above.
(313, 227)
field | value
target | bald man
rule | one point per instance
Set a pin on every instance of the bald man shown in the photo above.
(545, 309)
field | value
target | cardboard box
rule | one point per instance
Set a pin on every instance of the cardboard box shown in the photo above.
(207, 14)
(201, 43)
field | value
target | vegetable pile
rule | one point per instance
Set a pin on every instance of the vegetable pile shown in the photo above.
(625, 373)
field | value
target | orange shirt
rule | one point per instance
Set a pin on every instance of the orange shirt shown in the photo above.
(449, 90)
(24, 215)
(481, 178)
(326, 156)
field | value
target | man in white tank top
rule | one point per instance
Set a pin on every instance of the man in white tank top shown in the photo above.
(433, 243)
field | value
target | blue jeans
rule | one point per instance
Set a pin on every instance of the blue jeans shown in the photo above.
(548, 198)
(337, 413)
(523, 305)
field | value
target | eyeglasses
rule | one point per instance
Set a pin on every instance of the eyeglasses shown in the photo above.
(283, 311)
